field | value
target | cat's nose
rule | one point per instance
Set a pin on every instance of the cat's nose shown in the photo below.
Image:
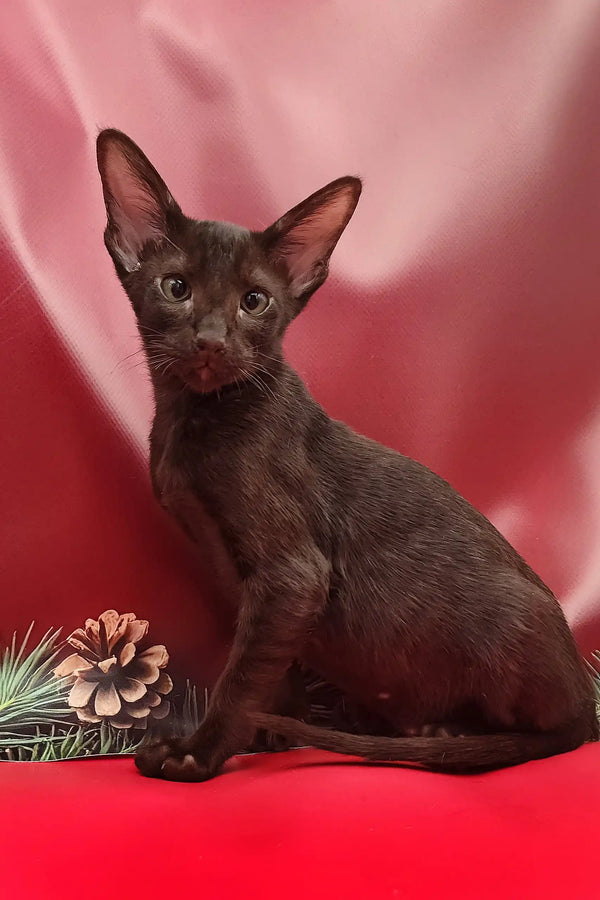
(209, 346)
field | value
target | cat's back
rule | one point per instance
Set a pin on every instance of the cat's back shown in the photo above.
(393, 511)
(378, 503)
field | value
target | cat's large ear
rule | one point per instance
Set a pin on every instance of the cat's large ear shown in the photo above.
(138, 203)
(301, 242)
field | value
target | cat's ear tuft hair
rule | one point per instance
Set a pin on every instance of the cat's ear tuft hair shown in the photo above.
(302, 240)
(139, 205)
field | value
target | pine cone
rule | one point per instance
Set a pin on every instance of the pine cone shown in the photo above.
(112, 681)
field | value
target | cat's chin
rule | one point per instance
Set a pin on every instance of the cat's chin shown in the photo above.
(205, 380)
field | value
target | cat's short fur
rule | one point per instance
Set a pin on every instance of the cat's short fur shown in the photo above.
(333, 550)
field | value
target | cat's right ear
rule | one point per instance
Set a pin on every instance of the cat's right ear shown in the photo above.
(139, 205)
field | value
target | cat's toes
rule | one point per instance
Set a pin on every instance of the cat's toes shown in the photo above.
(267, 741)
(186, 768)
(171, 760)
(276, 743)
(149, 759)
(447, 729)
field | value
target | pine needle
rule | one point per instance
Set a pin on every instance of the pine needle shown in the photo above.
(30, 695)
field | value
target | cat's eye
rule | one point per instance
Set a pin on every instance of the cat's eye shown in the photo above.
(254, 303)
(174, 287)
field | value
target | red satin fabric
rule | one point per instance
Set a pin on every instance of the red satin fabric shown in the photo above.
(461, 322)
(297, 826)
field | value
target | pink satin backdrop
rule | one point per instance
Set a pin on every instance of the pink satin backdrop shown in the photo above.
(461, 323)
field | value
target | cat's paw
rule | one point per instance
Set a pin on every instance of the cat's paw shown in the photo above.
(172, 760)
(447, 729)
(268, 741)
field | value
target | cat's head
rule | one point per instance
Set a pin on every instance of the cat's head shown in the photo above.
(212, 299)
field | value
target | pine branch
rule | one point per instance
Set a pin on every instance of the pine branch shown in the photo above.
(30, 695)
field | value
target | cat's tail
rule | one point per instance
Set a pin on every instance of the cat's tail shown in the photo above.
(466, 754)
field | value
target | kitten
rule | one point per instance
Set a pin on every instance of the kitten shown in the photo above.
(340, 553)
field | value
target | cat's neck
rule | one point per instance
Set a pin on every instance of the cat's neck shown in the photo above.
(261, 390)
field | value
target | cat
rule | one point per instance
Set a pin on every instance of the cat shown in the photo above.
(336, 552)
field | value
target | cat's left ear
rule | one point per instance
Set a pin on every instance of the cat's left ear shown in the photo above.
(301, 242)
(139, 205)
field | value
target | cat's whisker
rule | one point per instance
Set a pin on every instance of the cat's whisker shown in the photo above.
(260, 383)
(266, 387)
(153, 343)
(165, 365)
(139, 365)
(127, 369)
(135, 353)
(262, 355)
(238, 384)
(147, 329)
(257, 366)
(158, 350)
(127, 359)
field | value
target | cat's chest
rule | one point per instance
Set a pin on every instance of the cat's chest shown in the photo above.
(189, 467)
(198, 487)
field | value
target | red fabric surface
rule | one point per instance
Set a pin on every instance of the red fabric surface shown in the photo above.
(461, 325)
(287, 825)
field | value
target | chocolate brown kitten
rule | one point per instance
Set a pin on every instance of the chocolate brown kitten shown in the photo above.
(339, 553)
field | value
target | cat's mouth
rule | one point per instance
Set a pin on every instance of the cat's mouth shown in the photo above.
(206, 377)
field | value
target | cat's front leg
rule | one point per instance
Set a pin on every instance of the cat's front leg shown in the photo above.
(277, 610)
